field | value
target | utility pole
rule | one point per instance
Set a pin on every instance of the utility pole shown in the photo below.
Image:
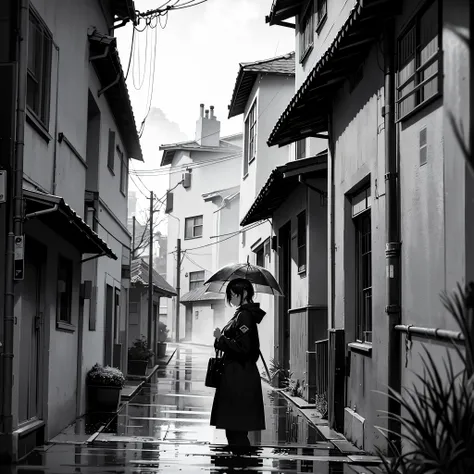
(178, 284)
(150, 275)
(133, 237)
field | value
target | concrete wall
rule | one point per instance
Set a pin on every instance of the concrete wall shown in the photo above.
(189, 202)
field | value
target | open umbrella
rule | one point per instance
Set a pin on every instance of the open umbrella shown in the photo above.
(263, 281)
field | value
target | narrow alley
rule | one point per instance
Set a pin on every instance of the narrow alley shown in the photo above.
(165, 428)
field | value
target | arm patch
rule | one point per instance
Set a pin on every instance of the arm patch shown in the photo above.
(243, 329)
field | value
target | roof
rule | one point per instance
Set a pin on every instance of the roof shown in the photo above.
(124, 10)
(283, 10)
(282, 181)
(307, 113)
(199, 294)
(139, 275)
(248, 73)
(110, 73)
(171, 149)
(65, 222)
(223, 193)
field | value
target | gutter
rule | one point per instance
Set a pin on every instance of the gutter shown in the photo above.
(392, 233)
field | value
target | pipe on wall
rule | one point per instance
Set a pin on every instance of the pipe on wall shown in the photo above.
(332, 239)
(392, 230)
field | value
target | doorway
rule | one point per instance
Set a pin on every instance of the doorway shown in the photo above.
(31, 335)
(284, 239)
(109, 323)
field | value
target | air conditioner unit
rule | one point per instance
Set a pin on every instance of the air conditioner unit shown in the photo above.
(186, 179)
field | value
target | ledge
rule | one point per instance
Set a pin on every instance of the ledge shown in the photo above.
(29, 427)
(38, 126)
(360, 347)
(66, 327)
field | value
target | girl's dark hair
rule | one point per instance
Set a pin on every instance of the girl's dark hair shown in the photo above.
(238, 286)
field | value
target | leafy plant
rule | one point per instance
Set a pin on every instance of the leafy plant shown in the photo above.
(294, 388)
(438, 416)
(162, 332)
(321, 402)
(277, 369)
(105, 376)
(140, 350)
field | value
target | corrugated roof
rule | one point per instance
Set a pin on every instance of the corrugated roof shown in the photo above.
(248, 73)
(170, 149)
(139, 275)
(200, 294)
(65, 221)
(307, 113)
(282, 181)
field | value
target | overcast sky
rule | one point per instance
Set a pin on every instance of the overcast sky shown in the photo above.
(197, 61)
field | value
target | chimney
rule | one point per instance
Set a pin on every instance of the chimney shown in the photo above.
(207, 128)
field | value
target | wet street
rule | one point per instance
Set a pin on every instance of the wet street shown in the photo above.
(165, 428)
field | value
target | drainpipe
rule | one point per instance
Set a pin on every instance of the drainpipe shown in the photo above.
(332, 240)
(55, 146)
(392, 231)
(15, 223)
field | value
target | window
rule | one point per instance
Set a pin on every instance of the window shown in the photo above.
(39, 69)
(196, 279)
(419, 52)
(111, 151)
(321, 13)
(193, 227)
(300, 149)
(123, 172)
(302, 242)
(363, 242)
(260, 257)
(64, 290)
(250, 137)
(306, 31)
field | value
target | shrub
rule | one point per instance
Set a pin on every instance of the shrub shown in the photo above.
(105, 376)
(162, 332)
(139, 350)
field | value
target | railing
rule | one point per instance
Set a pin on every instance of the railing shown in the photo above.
(322, 369)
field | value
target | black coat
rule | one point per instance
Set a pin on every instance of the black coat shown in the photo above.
(238, 401)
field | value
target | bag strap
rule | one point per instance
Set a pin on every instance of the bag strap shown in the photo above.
(265, 365)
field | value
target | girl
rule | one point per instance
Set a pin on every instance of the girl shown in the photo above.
(238, 401)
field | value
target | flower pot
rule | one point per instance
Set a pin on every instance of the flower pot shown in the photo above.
(137, 367)
(103, 398)
(161, 349)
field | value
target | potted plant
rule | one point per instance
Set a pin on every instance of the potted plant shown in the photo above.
(138, 357)
(162, 338)
(104, 385)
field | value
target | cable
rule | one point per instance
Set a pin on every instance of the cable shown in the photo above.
(131, 53)
(136, 185)
(197, 264)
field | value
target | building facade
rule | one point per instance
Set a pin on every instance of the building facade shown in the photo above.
(203, 174)
(370, 84)
(79, 134)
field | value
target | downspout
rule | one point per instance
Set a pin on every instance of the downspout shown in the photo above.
(55, 149)
(332, 240)
(15, 223)
(392, 232)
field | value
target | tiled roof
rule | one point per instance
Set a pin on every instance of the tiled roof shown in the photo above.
(200, 294)
(139, 274)
(170, 149)
(248, 72)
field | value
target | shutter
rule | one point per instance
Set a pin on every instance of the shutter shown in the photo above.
(169, 202)
(111, 152)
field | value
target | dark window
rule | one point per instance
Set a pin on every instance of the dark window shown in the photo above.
(64, 291)
(117, 316)
(260, 257)
(111, 151)
(169, 202)
(301, 149)
(302, 242)
(419, 68)
(321, 12)
(306, 30)
(123, 172)
(250, 137)
(193, 227)
(196, 279)
(39, 69)
(362, 221)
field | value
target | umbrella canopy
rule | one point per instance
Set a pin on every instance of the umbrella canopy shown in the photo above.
(263, 281)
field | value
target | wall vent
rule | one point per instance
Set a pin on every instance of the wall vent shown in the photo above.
(423, 146)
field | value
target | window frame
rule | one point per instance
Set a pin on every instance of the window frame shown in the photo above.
(111, 151)
(300, 149)
(199, 281)
(250, 137)
(302, 236)
(123, 171)
(67, 264)
(321, 11)
(306, 26)
(194, 226)
(416, 78)
(43, 78)
(363, 316)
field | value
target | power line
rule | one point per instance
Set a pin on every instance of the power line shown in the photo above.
(193, 262)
